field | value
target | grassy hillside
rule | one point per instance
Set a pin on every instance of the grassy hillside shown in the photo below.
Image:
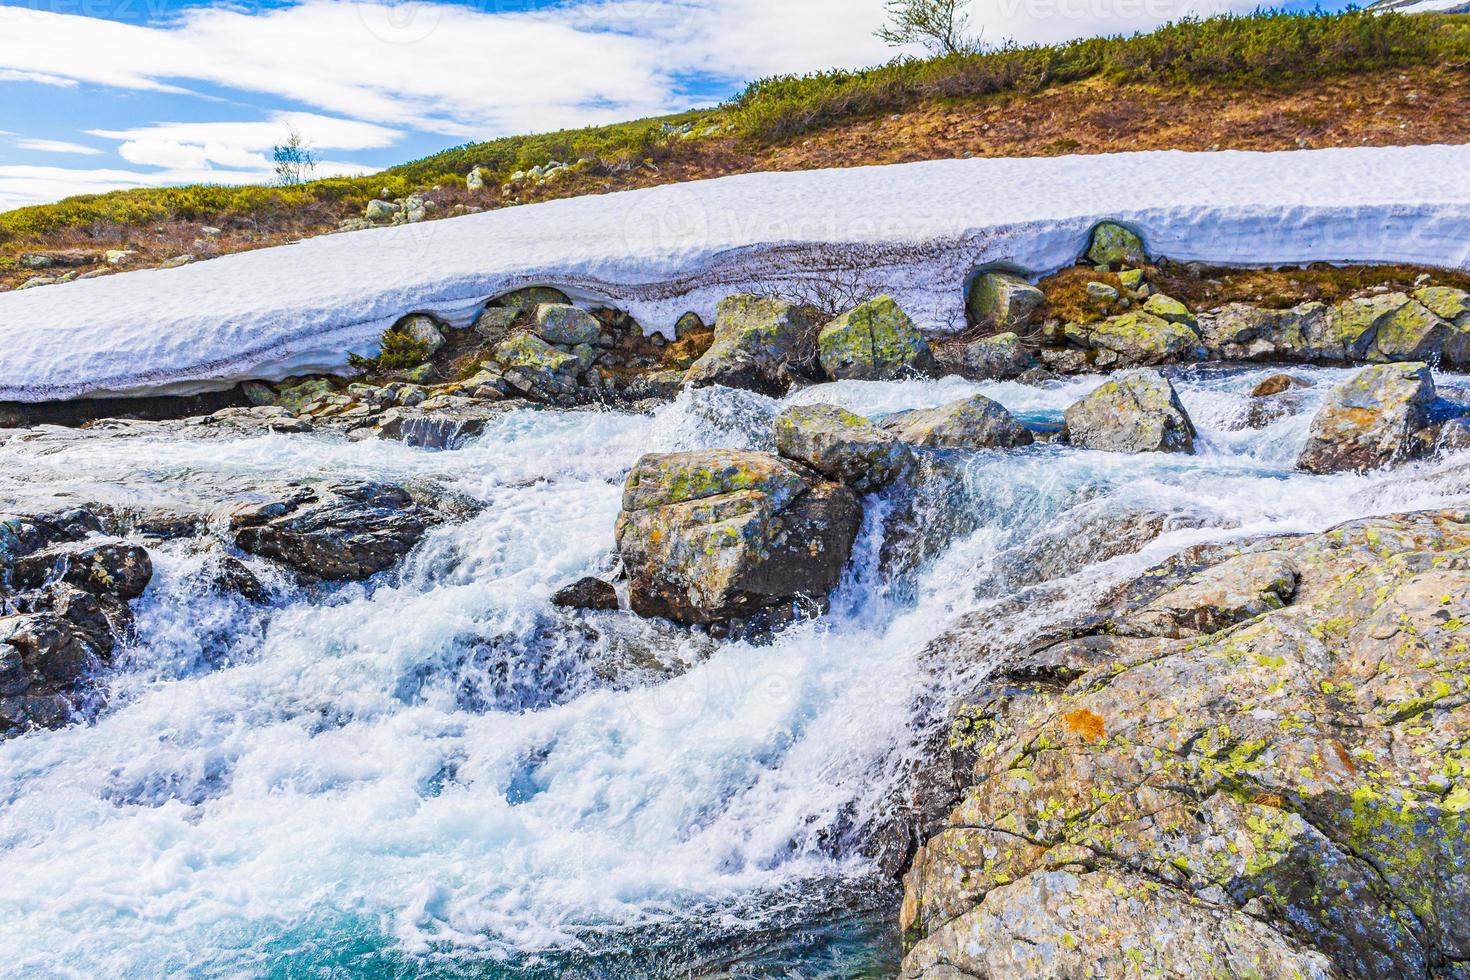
(1267, 81)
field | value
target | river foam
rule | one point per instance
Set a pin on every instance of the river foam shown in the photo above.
(435, 772)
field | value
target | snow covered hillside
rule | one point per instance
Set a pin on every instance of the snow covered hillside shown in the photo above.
(918, 231)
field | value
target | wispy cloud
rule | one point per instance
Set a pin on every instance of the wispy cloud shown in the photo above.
(57, 146)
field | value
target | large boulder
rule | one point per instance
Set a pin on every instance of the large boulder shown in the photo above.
(1270, 786)
(873, 342)
(1000, 357)
(1114, 245)
(1241, 332)
(1378, 416)
(338, 531)
(718, 535)
(559, 323)
(1137, 413)
(1003, 300)
(758, 341)
(970, 423)
(841, 446)
(1136, 339)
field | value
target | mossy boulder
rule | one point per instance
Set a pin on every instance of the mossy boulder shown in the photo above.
(841, 446)
(1379, 416)
(718, 535)
(1003, 301)
(527, 352)
(1447, 303)
(759, 341)
(1137, 338)
(1277, 788)
(1137, 413)
(1415, 333)
(970, 423)
(559, 323)
(1169, 308)
(1114, 245)
(874, 342)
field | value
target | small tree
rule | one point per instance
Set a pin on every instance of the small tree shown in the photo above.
(295, 162)
(940, 25)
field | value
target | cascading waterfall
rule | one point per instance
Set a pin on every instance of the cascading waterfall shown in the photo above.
(437, 772)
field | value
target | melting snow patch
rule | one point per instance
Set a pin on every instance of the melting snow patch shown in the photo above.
(917, 231)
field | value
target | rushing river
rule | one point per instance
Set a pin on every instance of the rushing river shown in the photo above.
(437, 774)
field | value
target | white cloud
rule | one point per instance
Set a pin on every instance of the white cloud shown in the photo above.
(56, 146)
(380, 66)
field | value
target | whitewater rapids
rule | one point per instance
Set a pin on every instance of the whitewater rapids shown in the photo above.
(433, 774)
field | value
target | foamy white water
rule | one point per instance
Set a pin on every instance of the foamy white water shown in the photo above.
(435, 772)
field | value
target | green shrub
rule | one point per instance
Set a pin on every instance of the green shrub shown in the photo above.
(397, 351)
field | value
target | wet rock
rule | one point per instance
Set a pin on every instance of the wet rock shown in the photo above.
(841, 446)
(873, 342)
(43, 659)
(1001, 357)
(719, 535)
(1003, 301)
(1137, 413)
(120, 570)
(1377, 417)
(1114, 245)
(557, 323)
(231, 576)
(587, 593)
(1268, 793)
(337, 531)
(1276, 384)
(757, 340)
(971, 423)
(441, 427)
(1136, 338)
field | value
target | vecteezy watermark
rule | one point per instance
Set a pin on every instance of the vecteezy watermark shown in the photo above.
(412, 21)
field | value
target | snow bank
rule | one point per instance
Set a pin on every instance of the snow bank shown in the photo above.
(917, 231)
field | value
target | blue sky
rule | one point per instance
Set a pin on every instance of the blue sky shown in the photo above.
(99, 94)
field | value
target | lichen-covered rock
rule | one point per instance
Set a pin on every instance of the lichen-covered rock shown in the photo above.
(1279, 789)
(339, 531)
(295, 396)
(1240, 332)
(758, 340)
(494, 322)
(1137, 413)
(841, 446)
(1135, 339)
(1169, 308)
(718, 535)
(1001, 357)
(1414, 333)
(1378, 416)
(1447, 303)
(873, 342)
(1114, 245)
(558, 323)
(1003, 300)
(970, 423)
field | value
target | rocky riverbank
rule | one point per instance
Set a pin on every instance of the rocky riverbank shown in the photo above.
(1247, 757)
